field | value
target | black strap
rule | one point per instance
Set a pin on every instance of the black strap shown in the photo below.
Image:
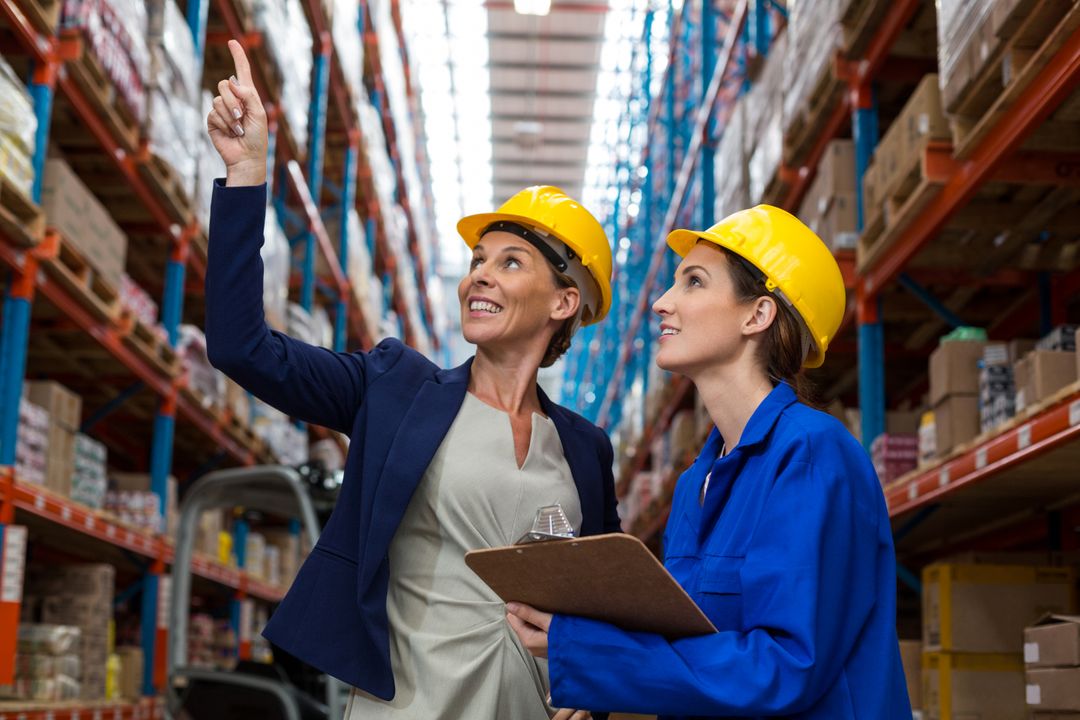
(533, 239)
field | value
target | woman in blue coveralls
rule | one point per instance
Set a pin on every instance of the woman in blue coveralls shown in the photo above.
(440, 461)
(779, 529)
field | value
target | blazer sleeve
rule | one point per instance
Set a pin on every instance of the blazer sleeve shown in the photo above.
(612, 523)
(809, 592)
(310, 383)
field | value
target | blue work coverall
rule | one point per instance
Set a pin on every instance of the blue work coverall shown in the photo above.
(791, 557)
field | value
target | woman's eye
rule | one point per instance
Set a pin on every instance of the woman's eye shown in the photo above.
(476, 262)
(512, 263)
(694, 281)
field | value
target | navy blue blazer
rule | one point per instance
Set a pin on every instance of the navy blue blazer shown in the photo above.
(396, 406)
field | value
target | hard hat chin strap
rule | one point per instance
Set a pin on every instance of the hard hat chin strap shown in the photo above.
(562, 258)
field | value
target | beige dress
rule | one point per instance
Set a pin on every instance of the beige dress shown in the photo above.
(454, 655)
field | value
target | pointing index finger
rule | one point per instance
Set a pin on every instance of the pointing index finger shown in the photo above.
(243, 68)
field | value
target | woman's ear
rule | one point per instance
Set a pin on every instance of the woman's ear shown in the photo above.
(567, 301)
(761, 316)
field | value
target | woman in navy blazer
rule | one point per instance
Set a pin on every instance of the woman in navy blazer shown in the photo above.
(396, 405)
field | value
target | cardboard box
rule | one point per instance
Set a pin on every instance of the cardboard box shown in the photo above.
(82, 612)
(1054, 689)
(964, 686)
(73, 210)
(836, 170)
(956, 421)
(1041, 373)
(911, 658)
(1053, 641)
(131, 672)
(954, 369)
(922, 119)
(64, 406)
(971, 608)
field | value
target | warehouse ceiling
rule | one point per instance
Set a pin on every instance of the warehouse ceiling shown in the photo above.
(512, 99)
(543, 90)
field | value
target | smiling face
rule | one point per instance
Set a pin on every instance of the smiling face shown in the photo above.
(704, 323)
(509, 298)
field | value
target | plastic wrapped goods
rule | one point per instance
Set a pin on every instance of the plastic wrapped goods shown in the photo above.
(764, 127)
(90, 481)
(18, 125)
(732, 181)
(814, 37)
(32, 443)
(174, 127)
(349, 43)
(176, 66)
(203, 377)
(121, 53)
(208, 166)
(288, 37)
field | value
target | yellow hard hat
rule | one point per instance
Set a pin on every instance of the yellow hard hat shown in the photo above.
(794, 261)
(550, 210)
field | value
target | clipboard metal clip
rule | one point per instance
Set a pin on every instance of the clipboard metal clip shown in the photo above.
(550, 523)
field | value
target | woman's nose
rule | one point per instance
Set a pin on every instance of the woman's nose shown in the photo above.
(480, 276)
(662, 306)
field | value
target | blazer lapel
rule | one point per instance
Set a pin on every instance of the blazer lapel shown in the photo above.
(419, 435)
(584, 464)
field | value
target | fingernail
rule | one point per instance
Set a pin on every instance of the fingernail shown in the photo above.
(513, 607)
(238, 129)
(237, 113)
(233, 80)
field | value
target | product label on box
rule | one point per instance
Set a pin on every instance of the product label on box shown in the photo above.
(1034, 695)
(1023, 437)
(980, 458)
(247, 612)
(14, 559)
(1074, 413)
(1031, 653)
(164, 595)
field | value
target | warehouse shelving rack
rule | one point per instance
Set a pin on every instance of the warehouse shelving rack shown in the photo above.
(149, 380)
(1009, 486)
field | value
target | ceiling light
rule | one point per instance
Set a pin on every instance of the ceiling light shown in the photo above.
(532, 7)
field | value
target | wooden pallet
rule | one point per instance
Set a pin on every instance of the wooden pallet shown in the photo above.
(805, 127)
(169, 187)
(860, 20)
(1037, 40)
(21, 221)
(42, 14)
(90, 77)
(883, 224)
(149, 345)
(68, 268)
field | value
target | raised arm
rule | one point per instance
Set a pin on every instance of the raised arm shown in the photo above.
(311, 383)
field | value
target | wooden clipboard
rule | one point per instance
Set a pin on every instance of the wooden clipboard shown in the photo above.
(611, 577)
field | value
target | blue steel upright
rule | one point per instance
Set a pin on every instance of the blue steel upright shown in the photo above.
(316, 146)
(864, 123)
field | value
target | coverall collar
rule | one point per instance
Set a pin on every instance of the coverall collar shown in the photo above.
(759, 425)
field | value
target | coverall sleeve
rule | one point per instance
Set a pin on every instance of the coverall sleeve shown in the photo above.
(307, 382)
(807, 586)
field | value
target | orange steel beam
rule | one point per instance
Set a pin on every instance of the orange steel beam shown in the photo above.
(1052, 428)
(1054, 83)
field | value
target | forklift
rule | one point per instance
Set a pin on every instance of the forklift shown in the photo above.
(252, 690)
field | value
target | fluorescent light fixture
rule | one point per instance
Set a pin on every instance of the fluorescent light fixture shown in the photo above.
(532, 7)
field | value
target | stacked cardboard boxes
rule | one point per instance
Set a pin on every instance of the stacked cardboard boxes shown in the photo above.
(131, 499)
(900, 151)
(1052, 659)
(1051, 366)
(65, 415)
(954, 393)
(732, 181)
(974, 617)
(84, 223)
(911, 652)
(829, 207)
(81, 596)
(130, 678)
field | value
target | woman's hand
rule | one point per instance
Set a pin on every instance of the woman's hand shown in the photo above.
(531, 627)
(238, 126)
(566, 714)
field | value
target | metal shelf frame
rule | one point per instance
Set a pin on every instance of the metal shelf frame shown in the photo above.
(331, 97)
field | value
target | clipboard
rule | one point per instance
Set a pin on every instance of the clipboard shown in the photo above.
(613, 578)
